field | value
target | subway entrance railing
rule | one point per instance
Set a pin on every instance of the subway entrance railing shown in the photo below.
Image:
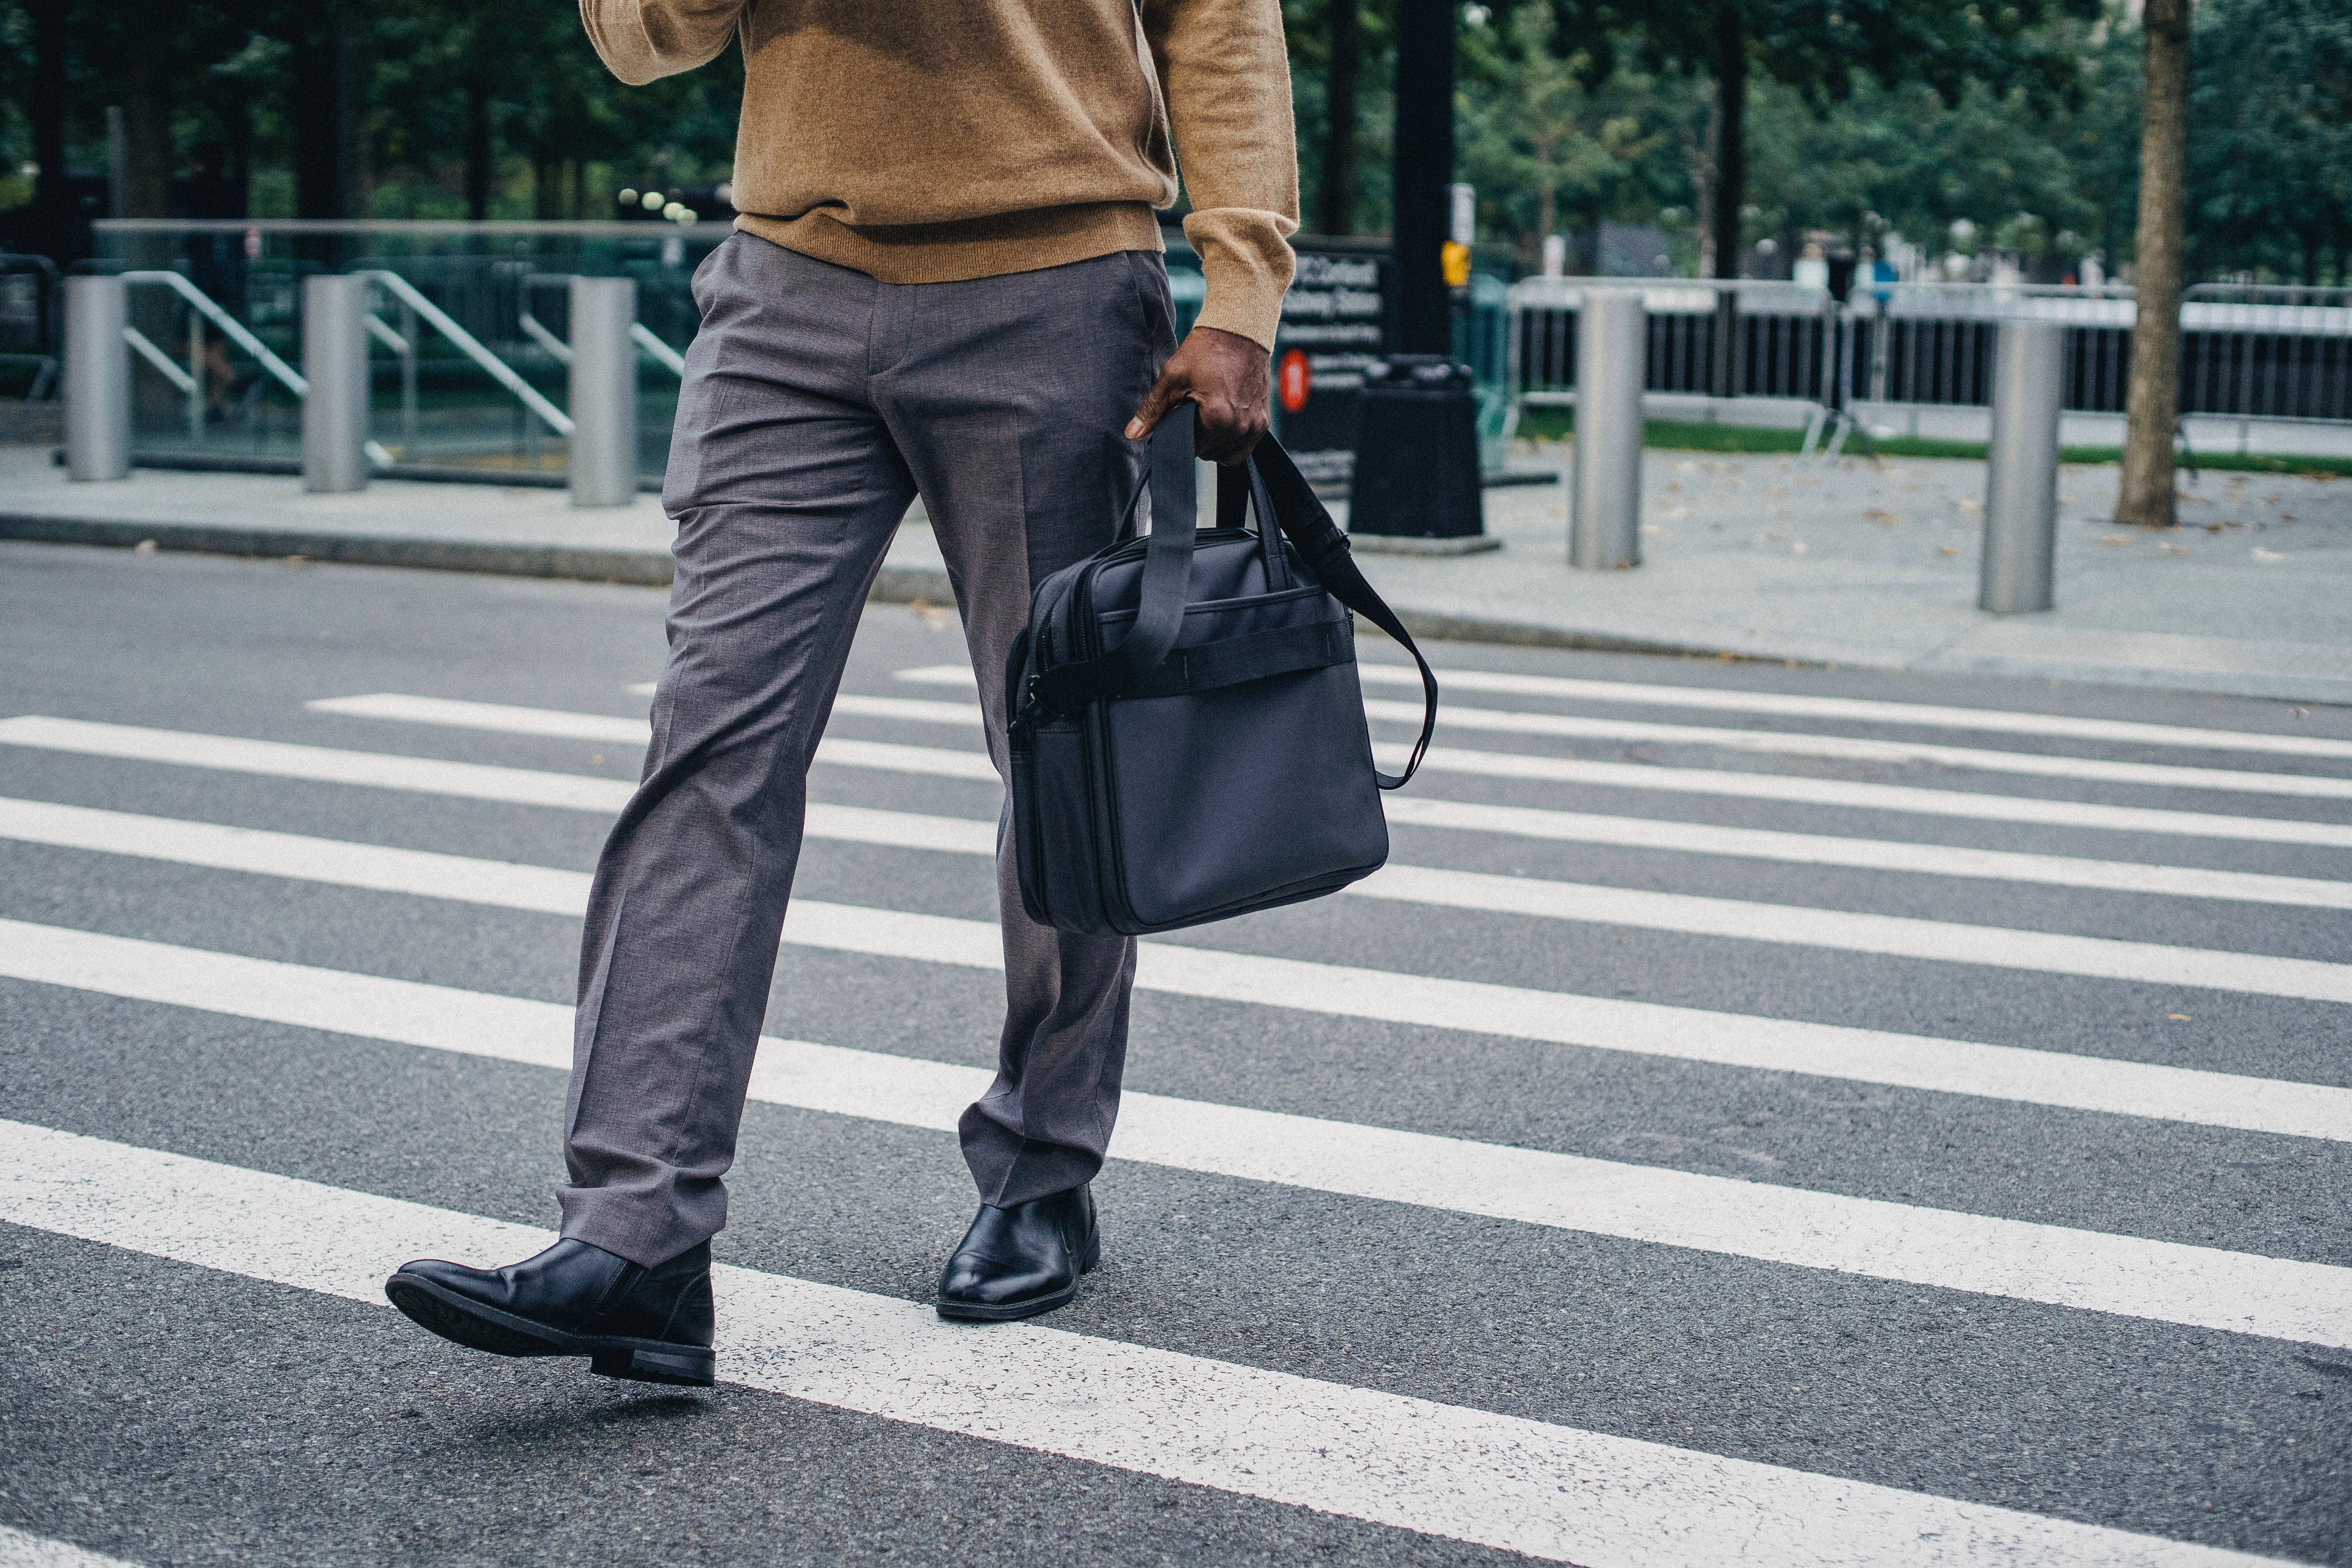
(469, 363)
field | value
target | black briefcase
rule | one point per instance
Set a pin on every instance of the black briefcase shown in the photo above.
(1187, 732)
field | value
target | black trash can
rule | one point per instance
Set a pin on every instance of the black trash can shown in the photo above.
(1417, 451)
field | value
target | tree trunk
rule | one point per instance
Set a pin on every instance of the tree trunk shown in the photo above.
(1699, 153)
(1730, 187)
(2152, 405)
(1339, 192)
(480, 147)
(318, 90)
(47, 107)
(237, 119)
(146, 114)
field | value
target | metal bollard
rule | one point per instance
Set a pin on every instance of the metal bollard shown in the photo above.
(604, 392)
(98, 378)
(2021, 525)
(335, 363)
(1605, 475)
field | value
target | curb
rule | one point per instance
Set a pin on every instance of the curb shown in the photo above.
(643, 568)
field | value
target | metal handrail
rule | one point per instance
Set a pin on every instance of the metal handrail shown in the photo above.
(182, 381)
(400, 289)
(231, 328)
(645, 337)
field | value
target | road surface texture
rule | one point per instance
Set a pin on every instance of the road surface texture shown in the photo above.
(1763, 1115)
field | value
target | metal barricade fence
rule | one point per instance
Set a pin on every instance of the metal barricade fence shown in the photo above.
(2250, 353)
(1787, 345)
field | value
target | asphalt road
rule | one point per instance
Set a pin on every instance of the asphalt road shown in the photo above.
(2138, 1371)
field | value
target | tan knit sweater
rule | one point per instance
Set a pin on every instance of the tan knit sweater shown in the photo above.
(928, 140)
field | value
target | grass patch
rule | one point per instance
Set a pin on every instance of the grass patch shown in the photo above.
(1682, 435)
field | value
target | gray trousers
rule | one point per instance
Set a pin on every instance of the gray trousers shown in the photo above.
(818, 404)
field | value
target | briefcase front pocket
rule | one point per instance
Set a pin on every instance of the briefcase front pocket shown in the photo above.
(1244, 797)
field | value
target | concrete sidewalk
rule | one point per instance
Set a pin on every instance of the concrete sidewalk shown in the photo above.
(1762, 557)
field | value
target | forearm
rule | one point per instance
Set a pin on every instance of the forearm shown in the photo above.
(1226, 73)
(643, 40)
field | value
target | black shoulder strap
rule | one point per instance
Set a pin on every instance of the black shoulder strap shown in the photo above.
(1308, 524)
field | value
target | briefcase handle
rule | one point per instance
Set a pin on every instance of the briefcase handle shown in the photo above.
(1283, 500)
(1160, 600)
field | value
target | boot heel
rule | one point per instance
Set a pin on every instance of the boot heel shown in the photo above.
(1091, 1252)
(682, 1364)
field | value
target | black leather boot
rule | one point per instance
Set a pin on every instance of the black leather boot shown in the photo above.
(649, 1325)
(1020, 1261)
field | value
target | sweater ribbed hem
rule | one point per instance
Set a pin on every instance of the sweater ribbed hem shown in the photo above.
(967, 249)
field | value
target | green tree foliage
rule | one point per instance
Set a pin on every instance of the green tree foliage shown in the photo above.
(2270, 146)
(1542, 139)
(1862, 116)
(440, 108)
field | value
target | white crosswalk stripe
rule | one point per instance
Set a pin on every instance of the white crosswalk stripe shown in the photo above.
(1543, 1490)
(1462, 716)
(2181, 1284)
(21, 1550)
(1860, 710)
(531, 787)
(1647, 1028)
(2197, 1287)
(1852, 795)
(1868, 854)
(1889, 935)
(1793, 789)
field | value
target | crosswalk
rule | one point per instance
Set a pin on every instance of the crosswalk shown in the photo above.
(1480, 966)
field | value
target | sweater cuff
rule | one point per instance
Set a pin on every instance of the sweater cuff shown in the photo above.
(1246, 266)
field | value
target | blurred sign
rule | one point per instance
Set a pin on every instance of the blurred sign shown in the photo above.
(1335, 322)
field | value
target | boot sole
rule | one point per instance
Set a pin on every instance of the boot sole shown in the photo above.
(1013, 1312)
(482, 1328)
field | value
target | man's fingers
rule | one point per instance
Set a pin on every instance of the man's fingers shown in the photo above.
(1226, 434)
(1165, 394)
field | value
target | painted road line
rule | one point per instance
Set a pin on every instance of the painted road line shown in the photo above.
(20, 1549)
(380, 868)
(432, 776)
(1897, 936)
(320, 765)
(513, 721)
(2122, 732)
(1860, 710)
(2156, 775)
(1865, 854)
(2060, 1266)
(561, 893)
(1794, 789)
(1847, 793)
(1508, 1482)
(1648, 1028)
(526, 786)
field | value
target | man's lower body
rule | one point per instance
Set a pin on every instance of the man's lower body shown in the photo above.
(817, 403)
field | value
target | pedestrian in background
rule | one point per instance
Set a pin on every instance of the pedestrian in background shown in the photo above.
(946, 281)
